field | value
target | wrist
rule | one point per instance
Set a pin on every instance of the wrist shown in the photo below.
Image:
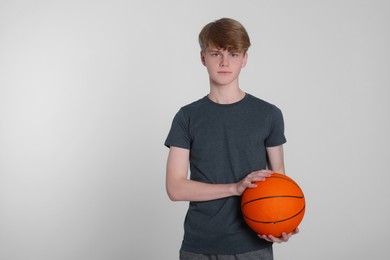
(233, 190)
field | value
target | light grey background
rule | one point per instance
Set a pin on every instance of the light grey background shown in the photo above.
(88, 90)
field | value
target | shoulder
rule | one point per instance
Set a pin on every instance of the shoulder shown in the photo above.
(262, 104)
(195, 106)
(197, 103)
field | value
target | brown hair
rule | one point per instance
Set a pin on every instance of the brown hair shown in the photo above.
(225, 33)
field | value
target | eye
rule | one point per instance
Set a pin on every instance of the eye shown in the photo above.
(234, 55)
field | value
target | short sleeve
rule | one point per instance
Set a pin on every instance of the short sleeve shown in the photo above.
(179, 133)
(276, 135)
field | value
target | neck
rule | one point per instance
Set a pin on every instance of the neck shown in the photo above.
(225, 95)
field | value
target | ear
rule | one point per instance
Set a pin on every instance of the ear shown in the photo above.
(202, 58)
(245, 60)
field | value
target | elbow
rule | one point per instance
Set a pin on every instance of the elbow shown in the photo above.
(172, 195)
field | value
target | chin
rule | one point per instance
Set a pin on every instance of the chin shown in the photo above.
(223, 83)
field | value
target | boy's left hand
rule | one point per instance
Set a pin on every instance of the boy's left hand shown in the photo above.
(284, 238)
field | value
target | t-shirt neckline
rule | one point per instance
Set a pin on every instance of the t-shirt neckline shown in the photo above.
(227, 105)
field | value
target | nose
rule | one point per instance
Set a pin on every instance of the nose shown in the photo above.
(224, 61)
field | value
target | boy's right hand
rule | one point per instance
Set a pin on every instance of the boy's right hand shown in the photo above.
(248, 181)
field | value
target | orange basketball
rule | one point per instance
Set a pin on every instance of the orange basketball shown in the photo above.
(275, 206)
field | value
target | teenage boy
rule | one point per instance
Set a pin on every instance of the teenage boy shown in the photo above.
(228, 139)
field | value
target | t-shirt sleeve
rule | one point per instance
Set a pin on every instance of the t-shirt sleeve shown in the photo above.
(179, 133)
(276, 136)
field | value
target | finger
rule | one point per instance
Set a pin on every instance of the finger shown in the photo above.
(250, 179)
(274, 239)
(267, 171)
(253, 178)
(263, 173)
(251, 185)
(256, 179)
(247, 183)
(285, 237)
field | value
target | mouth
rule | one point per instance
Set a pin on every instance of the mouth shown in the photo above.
(224, 72)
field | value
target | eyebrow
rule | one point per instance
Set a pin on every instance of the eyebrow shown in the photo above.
(222, 50)
(214, 50)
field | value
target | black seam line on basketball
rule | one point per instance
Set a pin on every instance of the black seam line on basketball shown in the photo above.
(271, 197)
(277, 221)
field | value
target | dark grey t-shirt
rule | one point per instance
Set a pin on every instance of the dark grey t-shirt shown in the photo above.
(226, 143)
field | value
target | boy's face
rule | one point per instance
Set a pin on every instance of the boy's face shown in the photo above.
(223, 66)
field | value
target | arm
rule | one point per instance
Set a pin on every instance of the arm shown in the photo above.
(275, 157)
(180, 188)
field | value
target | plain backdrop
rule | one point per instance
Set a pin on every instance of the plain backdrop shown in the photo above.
(88, 90)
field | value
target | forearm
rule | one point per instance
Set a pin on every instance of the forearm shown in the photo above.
(189, 190)
(276, 159)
